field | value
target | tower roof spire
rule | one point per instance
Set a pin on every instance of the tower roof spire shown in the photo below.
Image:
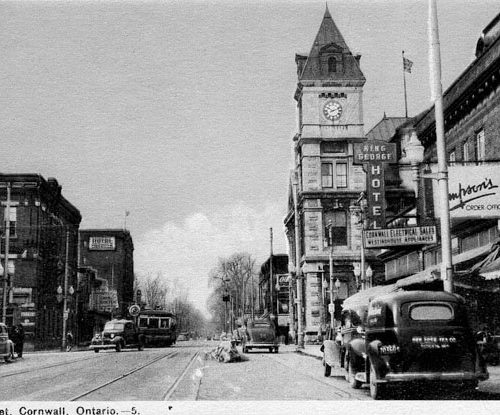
(329, 42)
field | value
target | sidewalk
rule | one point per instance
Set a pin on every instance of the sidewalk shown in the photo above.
(492, 385)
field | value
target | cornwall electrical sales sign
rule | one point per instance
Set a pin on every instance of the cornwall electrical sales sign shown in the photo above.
(415, 235)
(474, 191)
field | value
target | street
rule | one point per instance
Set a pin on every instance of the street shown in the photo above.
(181, 373)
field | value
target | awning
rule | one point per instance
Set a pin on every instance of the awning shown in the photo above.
(490, 271)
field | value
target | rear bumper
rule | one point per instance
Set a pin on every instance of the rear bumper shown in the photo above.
(259, 345)
(430, 376)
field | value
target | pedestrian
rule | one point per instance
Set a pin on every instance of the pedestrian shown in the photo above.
(19, 340)
(69, 341)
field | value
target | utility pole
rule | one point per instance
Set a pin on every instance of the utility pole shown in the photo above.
(271, 272)
(65, 292)
(6, 282)
(442, 174)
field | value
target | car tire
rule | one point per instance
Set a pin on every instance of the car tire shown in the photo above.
(271, 350)
(8, 359)
(96, 350)
(119, 347)
(245, 350)
(328, 370)
(377, 391)
(353, 382)
(276, 350)
(140, 347)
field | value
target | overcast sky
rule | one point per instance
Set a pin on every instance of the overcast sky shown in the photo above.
(182, 112)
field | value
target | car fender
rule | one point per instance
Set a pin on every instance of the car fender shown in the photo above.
(118, 339)
(356, 351)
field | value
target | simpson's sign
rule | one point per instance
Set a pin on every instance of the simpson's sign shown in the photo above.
(415, 235)
(474, 191)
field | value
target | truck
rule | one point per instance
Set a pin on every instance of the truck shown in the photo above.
(118, 334)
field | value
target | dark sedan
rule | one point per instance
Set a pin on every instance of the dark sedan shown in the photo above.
(260, 334)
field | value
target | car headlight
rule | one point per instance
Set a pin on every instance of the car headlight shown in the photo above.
(112, 335)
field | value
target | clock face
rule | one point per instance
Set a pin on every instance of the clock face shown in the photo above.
(332, 110)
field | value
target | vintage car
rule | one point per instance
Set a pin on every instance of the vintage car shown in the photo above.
(260, 334)
(6, 345)
(389, 339)
(118, 334)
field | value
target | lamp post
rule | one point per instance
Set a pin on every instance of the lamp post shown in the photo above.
(337, 289)
(369, 276)
(62, 295)
(300, 329)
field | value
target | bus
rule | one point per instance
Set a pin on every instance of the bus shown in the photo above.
(158, 326)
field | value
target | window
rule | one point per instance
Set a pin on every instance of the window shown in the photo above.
(326, 174)
(341, 175)
(332, 64)
(13, 221)
(465, 152)
(452, 156)
(338, 219)
(480, 147)
(431, 312)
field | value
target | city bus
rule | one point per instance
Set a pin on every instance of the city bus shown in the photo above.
(158, 326)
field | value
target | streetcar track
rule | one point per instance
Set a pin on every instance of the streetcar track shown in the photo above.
(36, 369)
(172, 389)
(124, 375)
(340, 392)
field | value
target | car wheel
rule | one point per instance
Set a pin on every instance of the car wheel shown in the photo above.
(96, 350)
(275, 350)
(377, 391)
(351, 373)
(245, 350)
(270, 350)
(141, 347)
(8, 359)
(328, 370)
(118, 347)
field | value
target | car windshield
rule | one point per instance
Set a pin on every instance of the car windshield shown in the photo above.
(113, 326)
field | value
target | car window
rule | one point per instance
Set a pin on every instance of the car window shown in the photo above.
(113, 326)
(431, 312)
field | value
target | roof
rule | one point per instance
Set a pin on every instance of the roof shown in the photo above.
(330, 38)
(386, 128)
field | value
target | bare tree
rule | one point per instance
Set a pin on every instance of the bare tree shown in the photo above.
(234, 275)
(154, 290)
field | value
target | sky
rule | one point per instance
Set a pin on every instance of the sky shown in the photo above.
(182, 112)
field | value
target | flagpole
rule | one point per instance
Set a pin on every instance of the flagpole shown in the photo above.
(404, 84)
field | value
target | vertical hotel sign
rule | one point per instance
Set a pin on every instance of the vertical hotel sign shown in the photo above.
(374, 155)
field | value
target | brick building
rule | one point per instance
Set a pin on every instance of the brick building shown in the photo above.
(106, 268)
(42, 224)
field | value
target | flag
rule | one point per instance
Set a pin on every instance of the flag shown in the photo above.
(407, 64)
(127, 212)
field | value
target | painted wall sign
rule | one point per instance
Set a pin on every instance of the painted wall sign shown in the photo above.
(102, 243)
(474, 191)
(416, 235)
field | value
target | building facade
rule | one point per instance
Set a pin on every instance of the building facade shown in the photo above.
(106, 266)
(472, 136)
(41, 247)
(329, 98)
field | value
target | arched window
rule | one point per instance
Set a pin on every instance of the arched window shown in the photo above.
(332, 64)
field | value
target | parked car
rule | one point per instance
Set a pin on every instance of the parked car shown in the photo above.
(6, 345)
(389, 339)
(118, 334)
(260, 334)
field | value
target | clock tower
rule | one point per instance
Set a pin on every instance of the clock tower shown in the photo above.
(330, 120)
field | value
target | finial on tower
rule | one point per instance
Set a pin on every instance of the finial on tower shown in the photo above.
(327, 12)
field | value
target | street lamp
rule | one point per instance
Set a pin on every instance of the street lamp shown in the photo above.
(415, 155)
(330, 262)
(357, 272)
